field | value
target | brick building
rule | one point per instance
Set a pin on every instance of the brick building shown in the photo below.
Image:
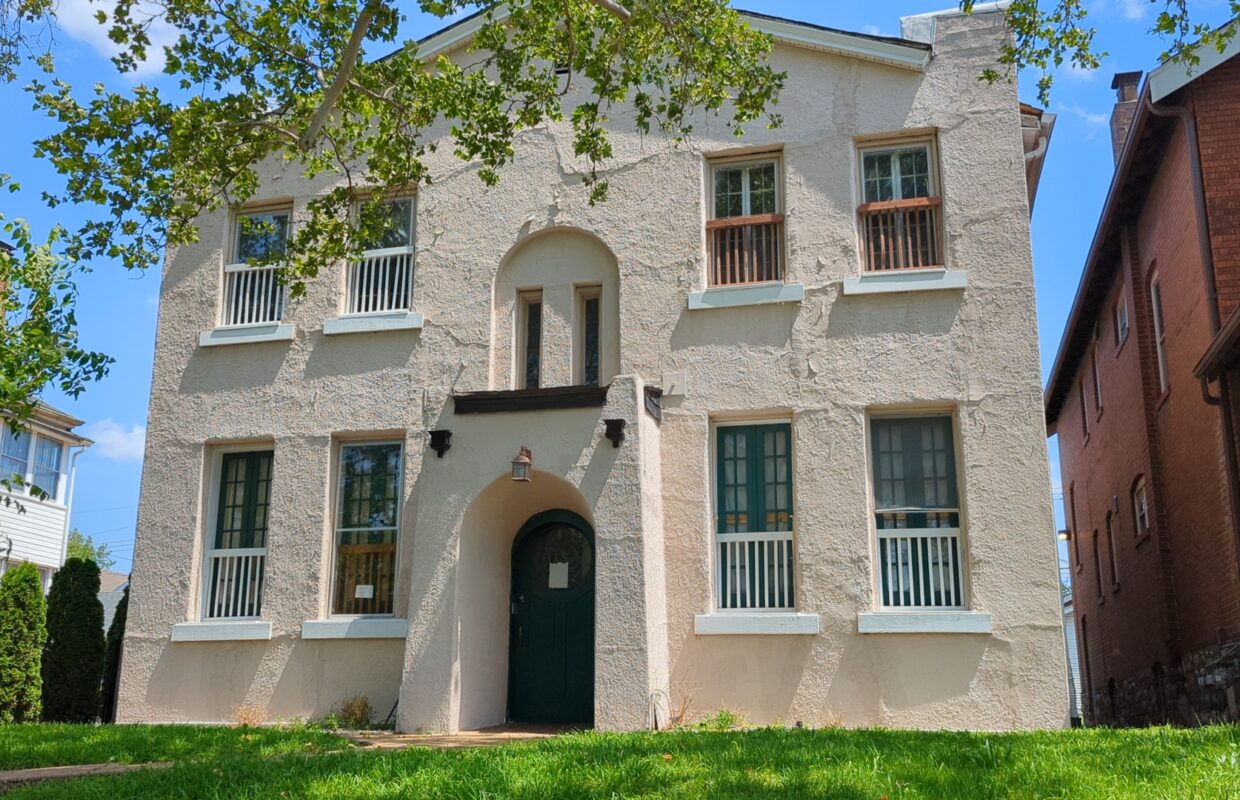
(1145, 397)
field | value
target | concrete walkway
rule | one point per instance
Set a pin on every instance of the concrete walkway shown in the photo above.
(488, 737)
(11, 779)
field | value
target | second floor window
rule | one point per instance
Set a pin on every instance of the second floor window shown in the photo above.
(36, 461)
(1121, 319)
(899, 215)
(917, 512)
(1160, 334)
(383, 280)
(253, 295)
(1140, 510)
(745, 234)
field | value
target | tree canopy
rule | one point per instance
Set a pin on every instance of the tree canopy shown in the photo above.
(82, 546)
(328, 88)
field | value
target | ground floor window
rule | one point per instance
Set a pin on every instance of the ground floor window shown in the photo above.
(236, 561)
(753, 559)
(368, 514)
(917, 512)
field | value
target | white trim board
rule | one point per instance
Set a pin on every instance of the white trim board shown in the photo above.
(371, 323)
(924, 622)
(1173, 76)
(246, 334)
(355, 628)
(764, 623)
(758, 294)
(221, 631)
(906, 280)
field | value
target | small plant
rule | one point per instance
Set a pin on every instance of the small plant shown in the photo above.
(725, 719)
(249, 715)
(330, 723)
(355, 713)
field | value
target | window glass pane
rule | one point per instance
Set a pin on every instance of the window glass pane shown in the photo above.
(914, 173)
(261, 236)
(734, 483)
(245, 496)
(729, 192)
(762, 189)
(533, 344)
(13, 453)
(368, 485)
(776, 478)
(914, 473)
(590, 341)
(47, 455)
(400, 225)
(366, 539)
(877, 177)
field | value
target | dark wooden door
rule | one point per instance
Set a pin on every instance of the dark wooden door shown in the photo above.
(551, 646)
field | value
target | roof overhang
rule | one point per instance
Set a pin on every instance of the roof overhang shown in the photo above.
(1223, 352)
(895, 52)
(1174, 75)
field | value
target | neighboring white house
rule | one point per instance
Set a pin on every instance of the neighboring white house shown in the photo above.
(44, 455)
(764, 430)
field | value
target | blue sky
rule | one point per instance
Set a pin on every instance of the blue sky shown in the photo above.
(118, 309)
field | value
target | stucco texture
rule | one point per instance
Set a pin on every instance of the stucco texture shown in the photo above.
(824, 363)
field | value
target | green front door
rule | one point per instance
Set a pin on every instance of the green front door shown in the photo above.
(551, 647)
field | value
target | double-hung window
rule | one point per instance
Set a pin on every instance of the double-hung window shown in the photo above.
(367, 526)
(745, 234)
(899, 214)
(382, 282)
(1121, 318)
(254, 295)
(33, 464)
(236, 561)
(1140, 510)
(753, 558)
(1160, 334)
(917, 512)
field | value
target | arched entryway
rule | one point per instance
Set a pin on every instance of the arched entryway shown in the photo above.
(551, 639)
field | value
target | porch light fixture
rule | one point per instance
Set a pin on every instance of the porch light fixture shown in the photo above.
(441, 441)
(614, 431)
(521, 465)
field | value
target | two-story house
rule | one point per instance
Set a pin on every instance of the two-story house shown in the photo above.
(762, 431)
(1145, 399)
(39, 464)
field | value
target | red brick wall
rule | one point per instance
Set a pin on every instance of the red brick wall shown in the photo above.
(1215, 97)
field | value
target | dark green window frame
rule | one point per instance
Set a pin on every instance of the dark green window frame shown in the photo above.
(245, 497)
(761, 501)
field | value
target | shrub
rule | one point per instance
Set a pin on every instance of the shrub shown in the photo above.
(112, 660)
(73, 657)
(355, 713)
(23, 632)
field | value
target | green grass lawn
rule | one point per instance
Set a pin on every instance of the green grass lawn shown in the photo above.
(50, 745)
(845, 764)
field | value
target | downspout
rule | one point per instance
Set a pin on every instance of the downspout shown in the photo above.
(64, 540)
(1037, 152)
(1223, 401)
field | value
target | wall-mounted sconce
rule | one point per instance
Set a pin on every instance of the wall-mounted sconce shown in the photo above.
(1064, 535)
(521, 465)
(614, 431)
(441, 442)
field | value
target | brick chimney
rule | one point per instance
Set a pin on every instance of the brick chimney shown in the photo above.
(1125, 85)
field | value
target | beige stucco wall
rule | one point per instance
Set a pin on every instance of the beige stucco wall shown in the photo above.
(824, 363)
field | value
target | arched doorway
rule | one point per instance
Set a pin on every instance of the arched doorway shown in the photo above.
(551, 640)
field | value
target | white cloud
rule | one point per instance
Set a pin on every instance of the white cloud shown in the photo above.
(1134, 9)
(113, 440)
(1092, 118)
(873, 30)
(1079, 73)
(77, 19)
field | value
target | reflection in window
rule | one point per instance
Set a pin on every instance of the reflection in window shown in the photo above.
(531, 339)
(367, 525)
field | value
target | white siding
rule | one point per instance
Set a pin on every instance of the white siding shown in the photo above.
(1074, 669)
(38, 534)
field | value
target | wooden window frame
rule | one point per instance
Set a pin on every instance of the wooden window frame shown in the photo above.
(1112, 551)
(1097, 378)
(1157, 312)
(581, 295)
(1141, 510)
(337, 519)
(1120, 319)
(715, 223)
(1084, 410)
(932, 203)
(525, 299)
(220, 456)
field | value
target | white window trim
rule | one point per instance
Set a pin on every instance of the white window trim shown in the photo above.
(906, 280)
(925, 621)
(337, 510)
(742, 623)
(712, 467)
(1160, 333)
(275, 331)
(348, 322)
(581, 294)
(211, 520)
(744, 162)
(221, 631)
(1120, 312)
(355, 627)
(894, 145)
(62, 474)
(961, 532)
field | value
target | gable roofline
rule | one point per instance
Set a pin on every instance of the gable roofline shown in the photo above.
(1172, 76)
(889, 50)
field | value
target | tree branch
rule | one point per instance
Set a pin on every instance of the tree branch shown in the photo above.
(348, 60)
(614, 8)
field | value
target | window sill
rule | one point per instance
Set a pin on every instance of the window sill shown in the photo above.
(905, 280)
(371, 323)
(246, 334)
(251, 630)
(355, 628)
(764, 623)
(758, 294)
(924, 622)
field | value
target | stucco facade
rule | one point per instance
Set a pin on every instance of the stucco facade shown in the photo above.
(821, 359)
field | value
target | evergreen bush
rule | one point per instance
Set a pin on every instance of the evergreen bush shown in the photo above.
(23, 631)
(73, 656)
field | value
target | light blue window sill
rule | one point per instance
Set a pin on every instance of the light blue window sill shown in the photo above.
(246, 334)
(924, 622)
(906, 280)
(355, 628)
(765, 623)
(370, 323)
(755, 295)
(222, 631)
